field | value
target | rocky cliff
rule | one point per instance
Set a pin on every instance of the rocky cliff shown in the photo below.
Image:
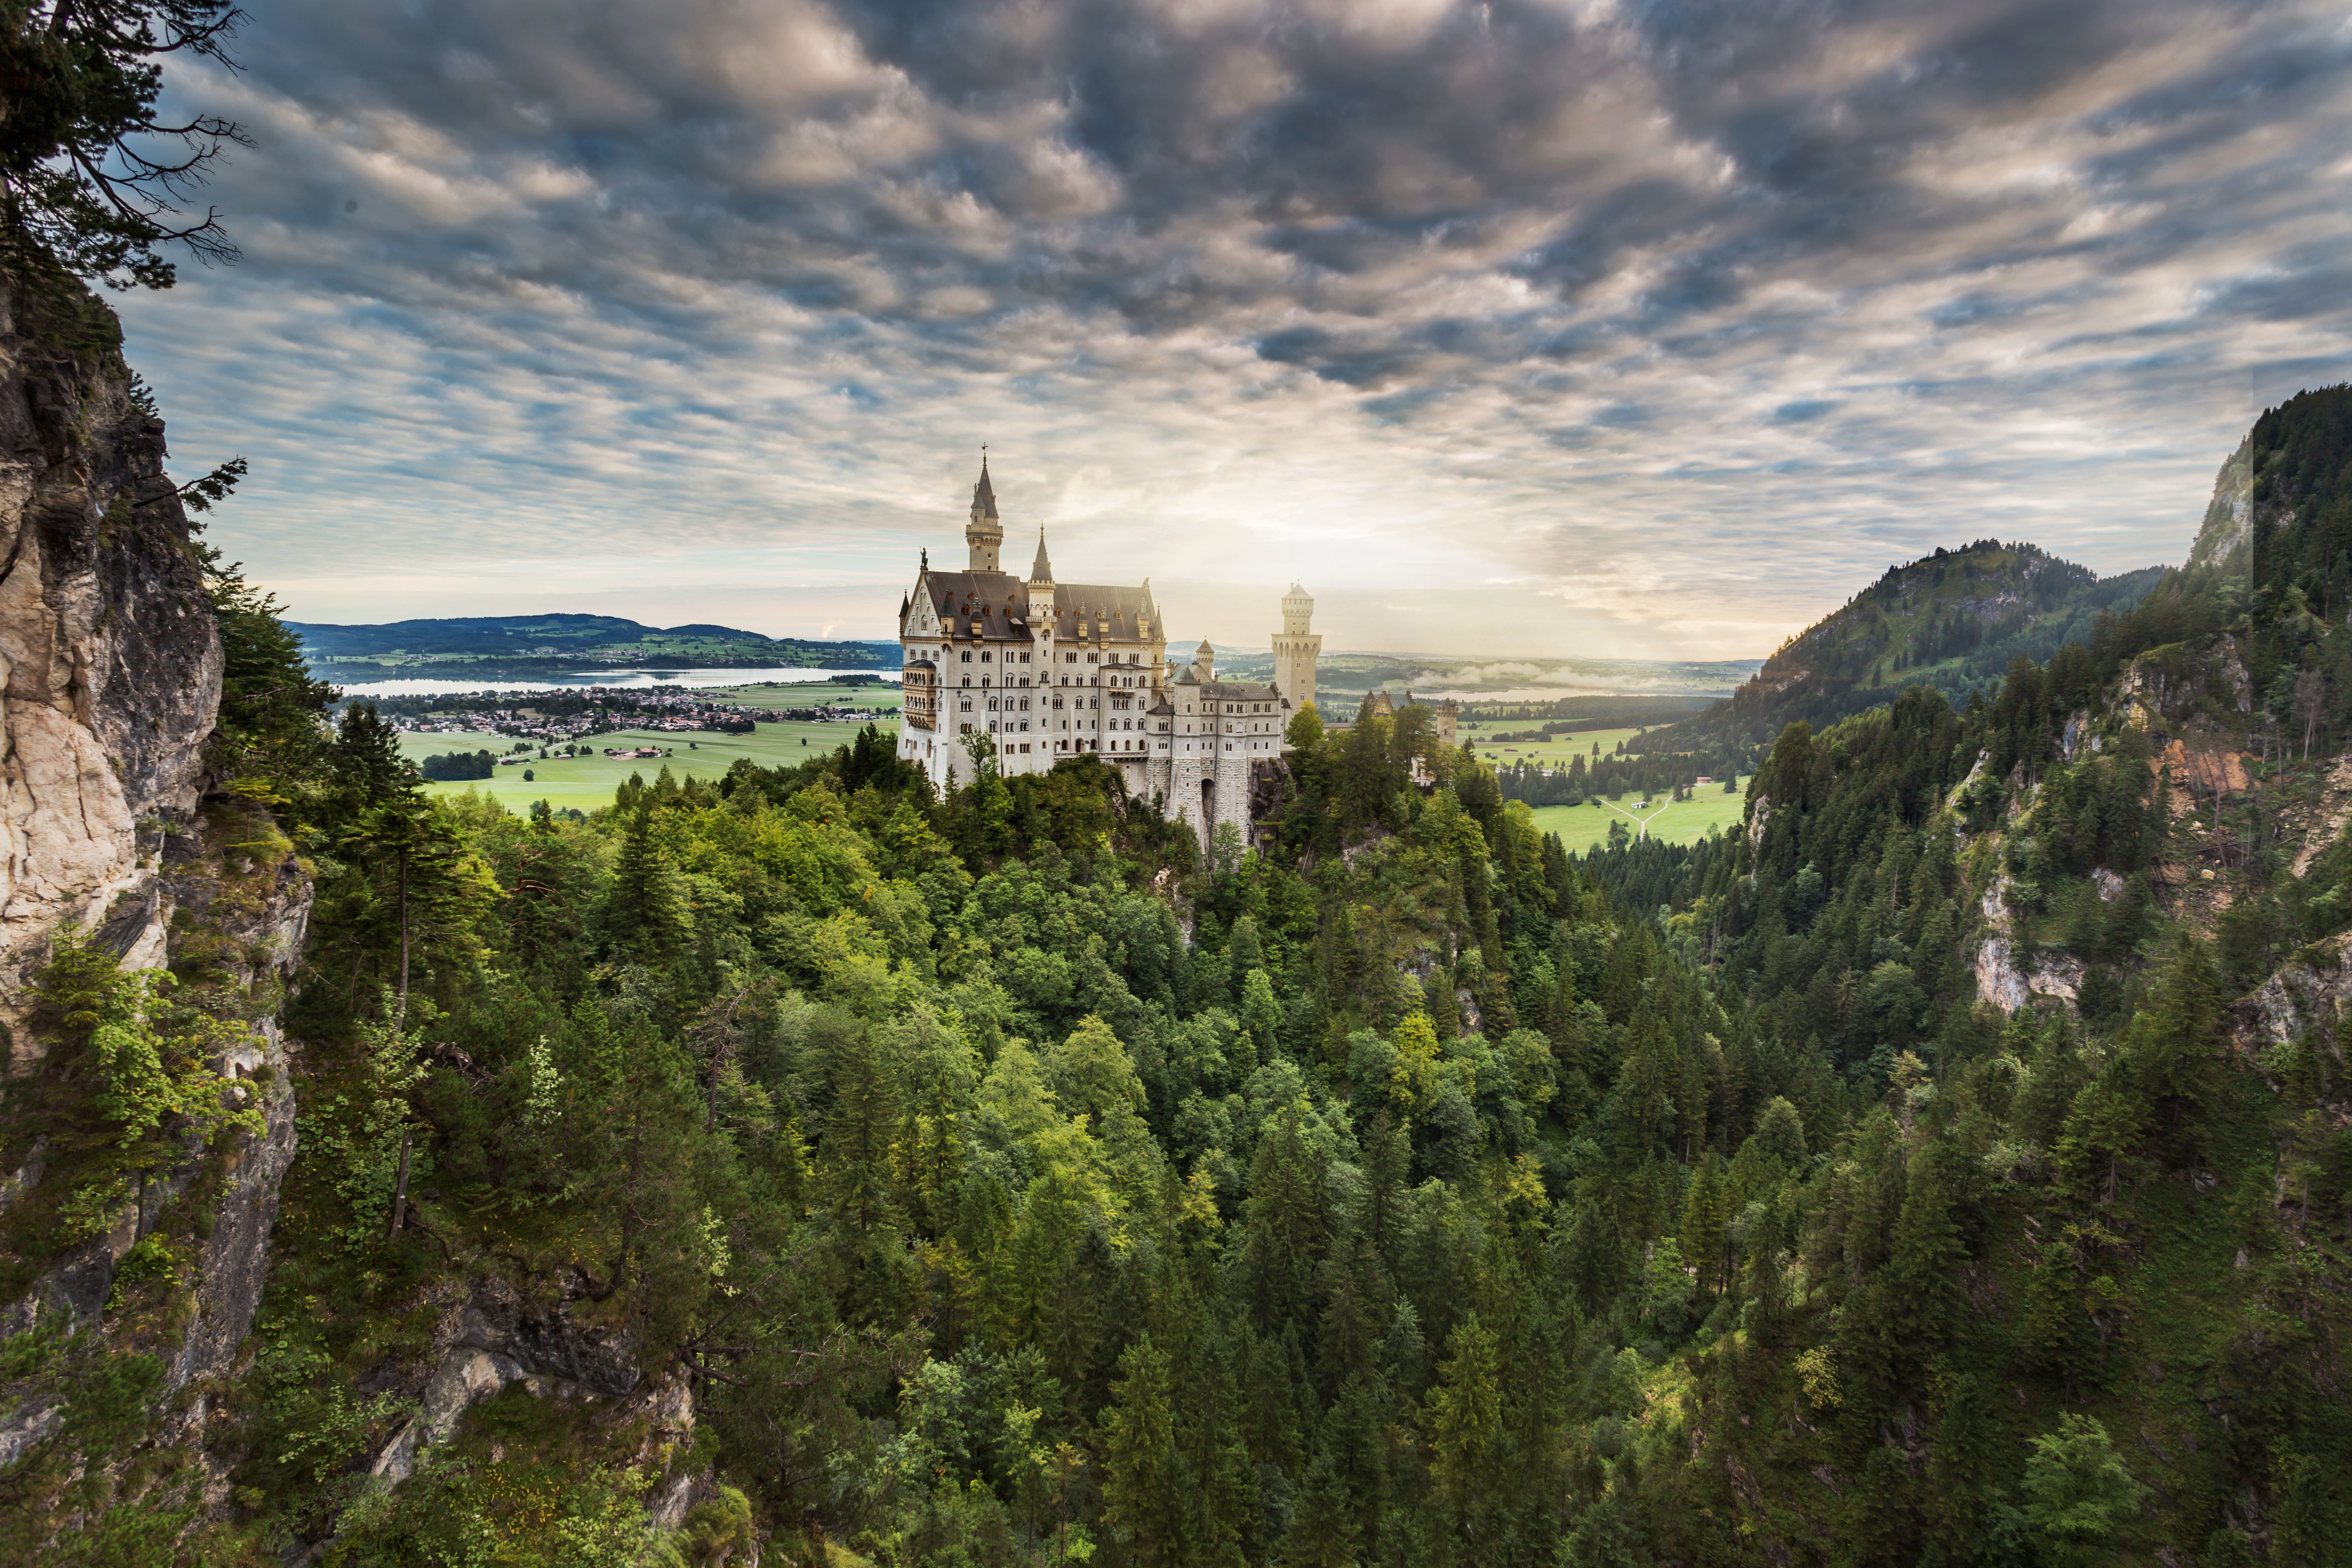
(2229, 523)
(109, 662)
(111, 668)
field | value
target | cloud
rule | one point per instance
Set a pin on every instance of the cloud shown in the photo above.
(1653, 326)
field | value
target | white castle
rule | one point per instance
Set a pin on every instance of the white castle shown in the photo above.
(1048, 670)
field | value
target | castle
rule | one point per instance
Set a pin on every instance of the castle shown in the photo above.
(1048, 670)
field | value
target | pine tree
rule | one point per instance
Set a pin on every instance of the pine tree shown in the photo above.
(1704, 1240)
(1140, 1477)
(1465, 1416)
(860, 1185)
(646, 911)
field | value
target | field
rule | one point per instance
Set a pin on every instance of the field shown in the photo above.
(1557, 749)
(587, 782)
(877, 698)
(1582, 827)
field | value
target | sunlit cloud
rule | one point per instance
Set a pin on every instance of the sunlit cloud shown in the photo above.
(1514, 329)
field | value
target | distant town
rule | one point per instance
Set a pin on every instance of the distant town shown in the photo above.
(569, 714)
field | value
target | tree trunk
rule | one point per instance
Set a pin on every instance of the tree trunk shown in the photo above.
(399, 1190)
(400, 1013)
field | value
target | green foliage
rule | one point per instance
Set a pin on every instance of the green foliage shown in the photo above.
(85, 187)
(1012, 1181)
(2079, 1501)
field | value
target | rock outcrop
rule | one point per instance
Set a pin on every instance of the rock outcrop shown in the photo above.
(110, 666)
(109, 660)
(494, 1337)
(2229, 523)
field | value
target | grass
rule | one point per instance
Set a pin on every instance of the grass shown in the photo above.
(1582, 827)
(587, 782)
(872, 698)
(1555, 750)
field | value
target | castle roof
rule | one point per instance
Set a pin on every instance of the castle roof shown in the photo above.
(1231, 691)
(1093, 603)
(1004, 608)
(997, 600)
(1041, 570)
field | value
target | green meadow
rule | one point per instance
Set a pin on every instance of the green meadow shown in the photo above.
(1557, 748)
(1582, 827)
(586, 783)
(873, 698)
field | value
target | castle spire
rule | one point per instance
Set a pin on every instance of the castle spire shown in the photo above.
(984, 494)
(983, 533)
(1041, 571)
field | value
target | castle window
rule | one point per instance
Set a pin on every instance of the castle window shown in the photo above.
(983, 658)
(967, 656)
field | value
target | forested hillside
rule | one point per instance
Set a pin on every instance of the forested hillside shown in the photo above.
(1952, 1167)
(493, 646)
(1953, 621)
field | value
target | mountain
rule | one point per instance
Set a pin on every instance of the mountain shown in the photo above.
(524, 642)
(1953, 620)
(2282, 508)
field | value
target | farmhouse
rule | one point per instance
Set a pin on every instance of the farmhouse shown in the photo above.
(1045, 670)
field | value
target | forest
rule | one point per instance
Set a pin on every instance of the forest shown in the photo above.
(1006, 1179)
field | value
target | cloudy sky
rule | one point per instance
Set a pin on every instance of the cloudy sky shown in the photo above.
(1636, 327)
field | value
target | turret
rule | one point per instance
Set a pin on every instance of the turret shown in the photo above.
(1297, 610)
(984, 534)
(1296, 649)
(1204, 663)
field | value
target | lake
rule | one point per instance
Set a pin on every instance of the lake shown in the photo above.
(617, 679)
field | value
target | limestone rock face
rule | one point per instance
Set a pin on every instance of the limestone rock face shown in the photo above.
(111, 667)
(110, 661)
(2229, 523)
(494, 1337)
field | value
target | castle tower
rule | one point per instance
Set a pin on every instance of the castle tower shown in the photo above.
(1296, 650)
(1204, 663)
(984, 534)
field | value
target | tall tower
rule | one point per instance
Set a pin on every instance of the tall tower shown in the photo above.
(983, 533)
(1296, 650)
